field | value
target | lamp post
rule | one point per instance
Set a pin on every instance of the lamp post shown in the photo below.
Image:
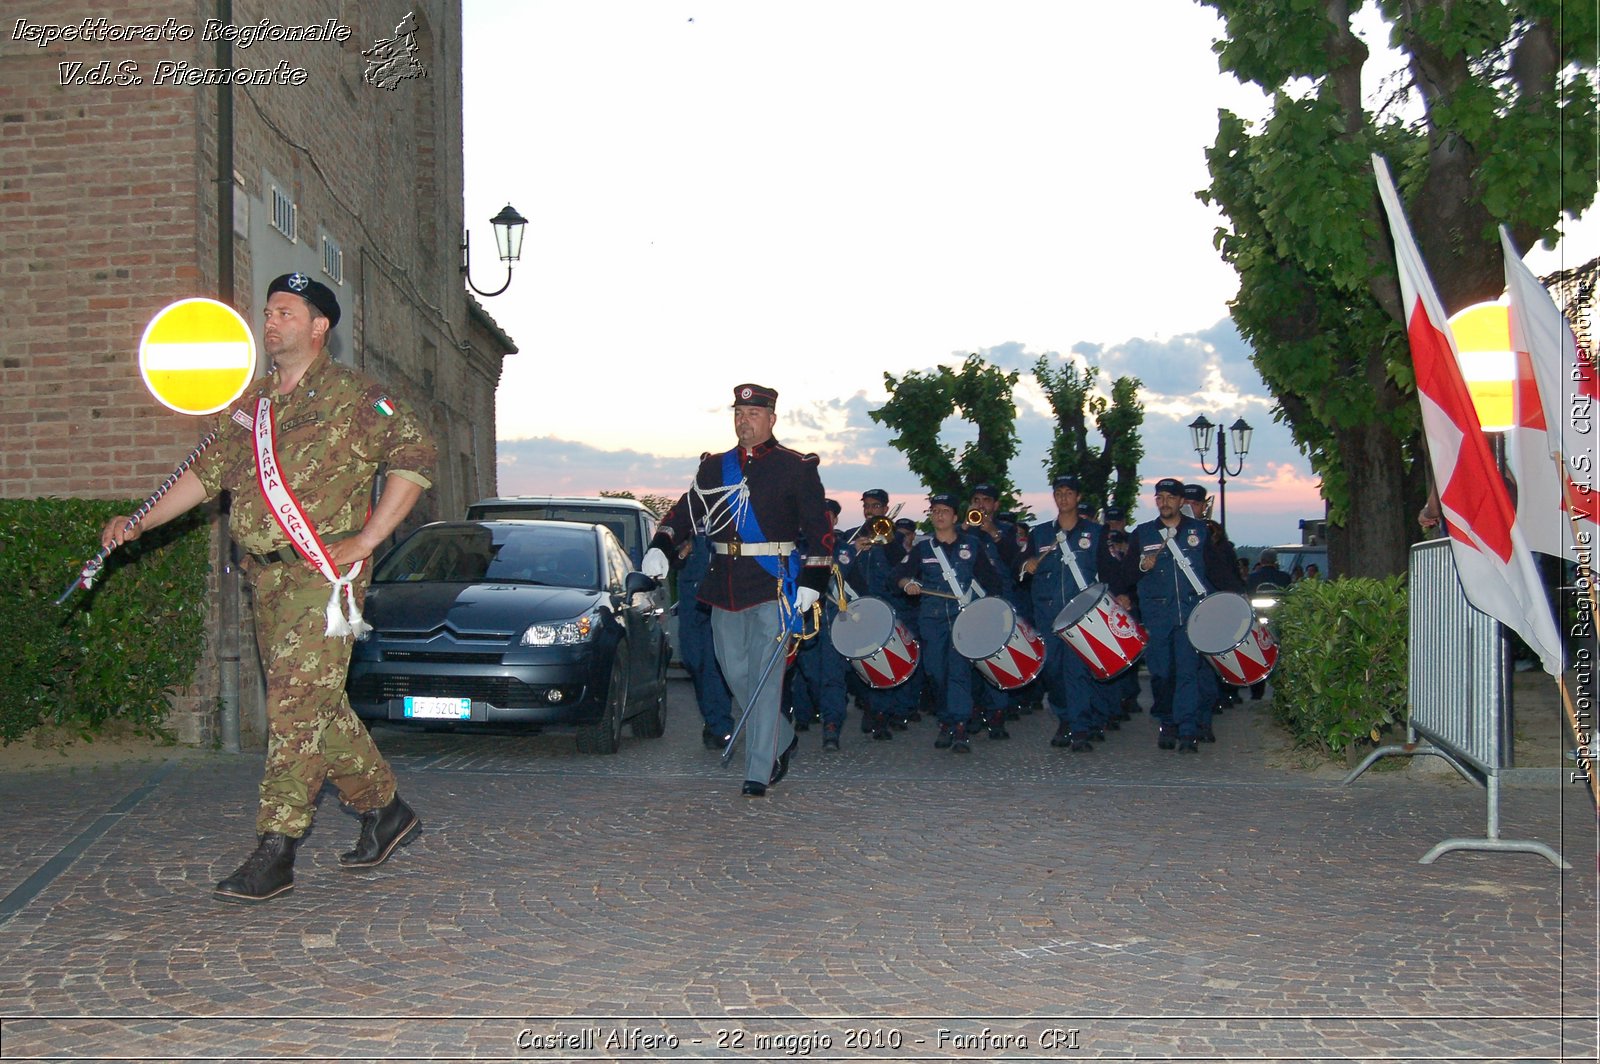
(1200, 431)
(508, 226)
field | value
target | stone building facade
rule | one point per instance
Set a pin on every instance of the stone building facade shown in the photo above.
(130, 178)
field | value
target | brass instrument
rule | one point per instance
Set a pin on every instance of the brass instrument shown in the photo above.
(974, 516)
(880, 530)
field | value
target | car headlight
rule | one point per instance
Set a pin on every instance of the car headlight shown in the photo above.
(1263, 603)
(562, 633)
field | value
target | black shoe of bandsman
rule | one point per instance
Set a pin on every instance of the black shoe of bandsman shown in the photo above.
(265, 874)
(781, 769)
(946, 737)
(1063, 737)
(712, 739)
(381, 831)
(1082, 746)
(752, 789)
(1167, 737)
(958, 740)
(1188, 746)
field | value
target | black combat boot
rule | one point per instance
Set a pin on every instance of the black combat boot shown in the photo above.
(265, 874)
(381, 831)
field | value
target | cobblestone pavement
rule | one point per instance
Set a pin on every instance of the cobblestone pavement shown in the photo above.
(888, 901)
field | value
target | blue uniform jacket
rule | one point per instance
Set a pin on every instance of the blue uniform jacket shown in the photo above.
(1052, 585)
(967, 559)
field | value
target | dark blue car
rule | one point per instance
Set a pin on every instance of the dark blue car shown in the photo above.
(526, 623)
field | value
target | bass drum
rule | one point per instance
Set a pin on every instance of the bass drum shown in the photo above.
(881, 650)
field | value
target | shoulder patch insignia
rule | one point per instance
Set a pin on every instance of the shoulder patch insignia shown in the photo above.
(383, 406)
(244, 418)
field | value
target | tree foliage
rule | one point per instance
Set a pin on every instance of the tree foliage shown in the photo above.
(920, 402)
(1109, 473)
(1494, 123)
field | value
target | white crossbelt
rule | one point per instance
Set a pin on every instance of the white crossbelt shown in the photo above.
(1070, 560)
(1170, 536)
(970, 593)
(750, 550)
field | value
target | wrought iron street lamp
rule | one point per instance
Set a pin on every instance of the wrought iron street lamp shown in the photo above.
(508, 226)
(1200, 431)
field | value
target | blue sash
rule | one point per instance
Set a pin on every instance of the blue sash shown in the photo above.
(749, 531)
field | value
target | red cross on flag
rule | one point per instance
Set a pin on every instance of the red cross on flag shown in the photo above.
(1496, 570)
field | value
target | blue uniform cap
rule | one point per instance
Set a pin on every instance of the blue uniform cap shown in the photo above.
(1067, 480)
(876, 493)
(1169, 486)
(944, 498)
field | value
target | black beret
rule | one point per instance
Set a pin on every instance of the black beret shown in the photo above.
(319, 295)
(755, 395)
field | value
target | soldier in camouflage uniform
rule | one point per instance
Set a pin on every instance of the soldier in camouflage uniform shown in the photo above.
(333, 431)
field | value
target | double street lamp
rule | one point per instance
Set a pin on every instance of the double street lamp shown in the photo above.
(1200, 431)
(508, 226)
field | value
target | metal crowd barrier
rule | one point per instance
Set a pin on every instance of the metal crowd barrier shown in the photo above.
(1460, 687)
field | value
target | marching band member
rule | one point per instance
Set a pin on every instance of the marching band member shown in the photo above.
(999, 539)
(941, 572)
(817, 682)
(1214, 694)
(868, 555)
(1063, 558)
(1166, 559)
(699, 658)
(755, 502)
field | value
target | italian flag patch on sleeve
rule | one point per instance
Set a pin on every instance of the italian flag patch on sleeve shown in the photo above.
(383, 406)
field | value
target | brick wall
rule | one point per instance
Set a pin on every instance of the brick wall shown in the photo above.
(109, 210)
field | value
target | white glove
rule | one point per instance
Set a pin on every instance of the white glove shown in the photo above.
(655, 564)
(805, 598)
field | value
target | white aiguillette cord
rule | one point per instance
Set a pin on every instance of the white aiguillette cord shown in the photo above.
(292, 519)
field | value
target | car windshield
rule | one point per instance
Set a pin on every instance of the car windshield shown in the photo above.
(623, 523)
(472, 553)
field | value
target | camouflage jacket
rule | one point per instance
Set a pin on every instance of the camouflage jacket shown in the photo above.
(332, 432)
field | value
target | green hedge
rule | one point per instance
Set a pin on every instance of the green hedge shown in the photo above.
(1341, 676)
(111, 652)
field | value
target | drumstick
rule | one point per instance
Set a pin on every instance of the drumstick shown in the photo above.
(940, 594)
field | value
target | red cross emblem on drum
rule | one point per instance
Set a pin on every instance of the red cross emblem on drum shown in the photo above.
(1101, 632)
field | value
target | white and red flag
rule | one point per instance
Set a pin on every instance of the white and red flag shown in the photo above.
(1496, 569)
(1553, 398)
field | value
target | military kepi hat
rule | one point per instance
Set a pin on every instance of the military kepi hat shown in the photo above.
(1169, 486)
(755, 395)
(316, 293)
(876, 493)
(1194, 492)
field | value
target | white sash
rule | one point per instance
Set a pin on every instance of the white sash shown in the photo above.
(965, 597)
(1171, 538)
(1069, 559)
(292, 519)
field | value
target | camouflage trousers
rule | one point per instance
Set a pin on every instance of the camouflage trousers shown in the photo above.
(312, 733)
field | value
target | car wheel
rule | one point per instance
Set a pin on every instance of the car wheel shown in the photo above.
(604, 736)
(652, 723)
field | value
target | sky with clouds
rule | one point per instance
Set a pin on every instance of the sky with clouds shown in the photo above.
(810, 194)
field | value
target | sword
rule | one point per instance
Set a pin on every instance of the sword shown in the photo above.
(778, 651)
(91, 568)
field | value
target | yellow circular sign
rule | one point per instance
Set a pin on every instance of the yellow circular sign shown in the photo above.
(1483, 339)
(197, 356)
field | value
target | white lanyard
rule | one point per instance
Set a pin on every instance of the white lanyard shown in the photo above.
(292, 519)
(1069, 559)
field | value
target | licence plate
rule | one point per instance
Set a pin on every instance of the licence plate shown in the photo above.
(423, 708)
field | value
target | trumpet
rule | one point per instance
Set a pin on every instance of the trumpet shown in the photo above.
(974, 516)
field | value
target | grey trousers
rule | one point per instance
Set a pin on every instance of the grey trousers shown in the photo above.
(745, 641)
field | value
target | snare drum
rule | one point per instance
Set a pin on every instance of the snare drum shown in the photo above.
(1102, 633)
(1001, 645)
(1224, 628)
(883, 651)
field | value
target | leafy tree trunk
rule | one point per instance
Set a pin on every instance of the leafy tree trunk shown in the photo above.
(1385, 498)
